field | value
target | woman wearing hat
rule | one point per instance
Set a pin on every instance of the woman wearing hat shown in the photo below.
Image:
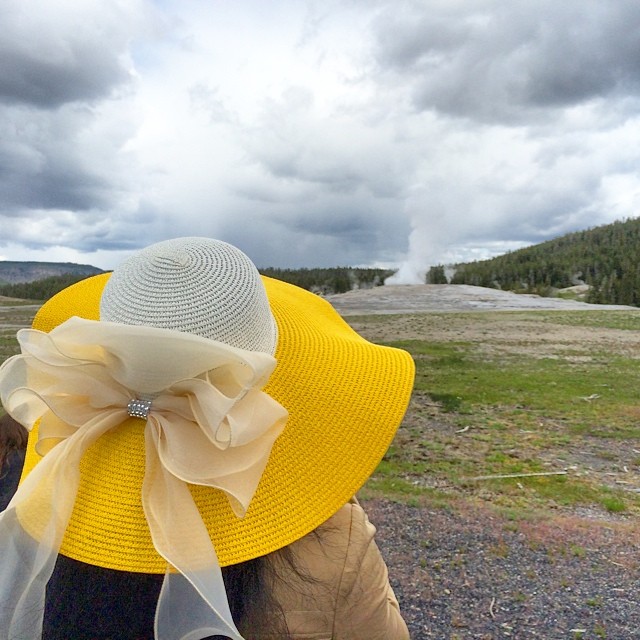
(197, 435)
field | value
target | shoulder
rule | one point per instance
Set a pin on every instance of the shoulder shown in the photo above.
(329, 550)
(350, 528)
(338, 584)
(338, 541)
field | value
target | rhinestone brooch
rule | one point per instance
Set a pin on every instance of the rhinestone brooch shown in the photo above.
(139, 408)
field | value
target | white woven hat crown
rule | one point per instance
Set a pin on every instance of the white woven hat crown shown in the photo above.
(196, 285)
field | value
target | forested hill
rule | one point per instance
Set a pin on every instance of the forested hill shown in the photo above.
(607, 258)
(40, 280)
(321, 280)
(330, 280)
(14, 272)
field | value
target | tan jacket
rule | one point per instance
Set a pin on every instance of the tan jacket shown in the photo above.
(347, 595)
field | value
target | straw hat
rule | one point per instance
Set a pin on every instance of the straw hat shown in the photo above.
(345, 399)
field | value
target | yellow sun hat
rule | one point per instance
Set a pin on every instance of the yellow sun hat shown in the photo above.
(345, 398)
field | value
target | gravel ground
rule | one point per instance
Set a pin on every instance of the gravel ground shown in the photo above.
(464, 573)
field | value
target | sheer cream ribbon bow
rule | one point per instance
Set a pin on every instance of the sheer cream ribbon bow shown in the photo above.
(209, 424)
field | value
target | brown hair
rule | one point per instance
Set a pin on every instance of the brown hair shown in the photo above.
(12, 436)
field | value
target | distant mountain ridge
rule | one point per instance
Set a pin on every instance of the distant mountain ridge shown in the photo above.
(18, 272)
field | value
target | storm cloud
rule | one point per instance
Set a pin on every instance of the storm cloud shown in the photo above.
(401, 134)
(511, 62)
(58, 52)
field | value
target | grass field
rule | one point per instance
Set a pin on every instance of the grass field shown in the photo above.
(526, 411)
(14, 315)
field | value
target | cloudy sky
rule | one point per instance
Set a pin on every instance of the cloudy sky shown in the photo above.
(315, 133)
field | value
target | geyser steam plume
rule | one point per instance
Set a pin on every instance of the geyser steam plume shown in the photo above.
(437, 227)
(425, 240)
(407, 273)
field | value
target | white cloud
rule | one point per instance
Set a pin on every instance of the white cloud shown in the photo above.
(314, 133)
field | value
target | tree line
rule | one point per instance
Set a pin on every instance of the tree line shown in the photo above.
(40, 289)
(606, 258)
(320, 280)
(331, 279)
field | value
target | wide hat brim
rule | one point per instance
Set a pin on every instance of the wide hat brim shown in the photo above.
(346, 398)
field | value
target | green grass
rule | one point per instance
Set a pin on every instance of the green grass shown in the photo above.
(625, 320)
(481, 409)
(14, 314)
(504, 390)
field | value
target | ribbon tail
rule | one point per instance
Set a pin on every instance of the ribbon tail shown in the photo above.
(194, 601)
(31, 532)
(24, 572)
(185, 612)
